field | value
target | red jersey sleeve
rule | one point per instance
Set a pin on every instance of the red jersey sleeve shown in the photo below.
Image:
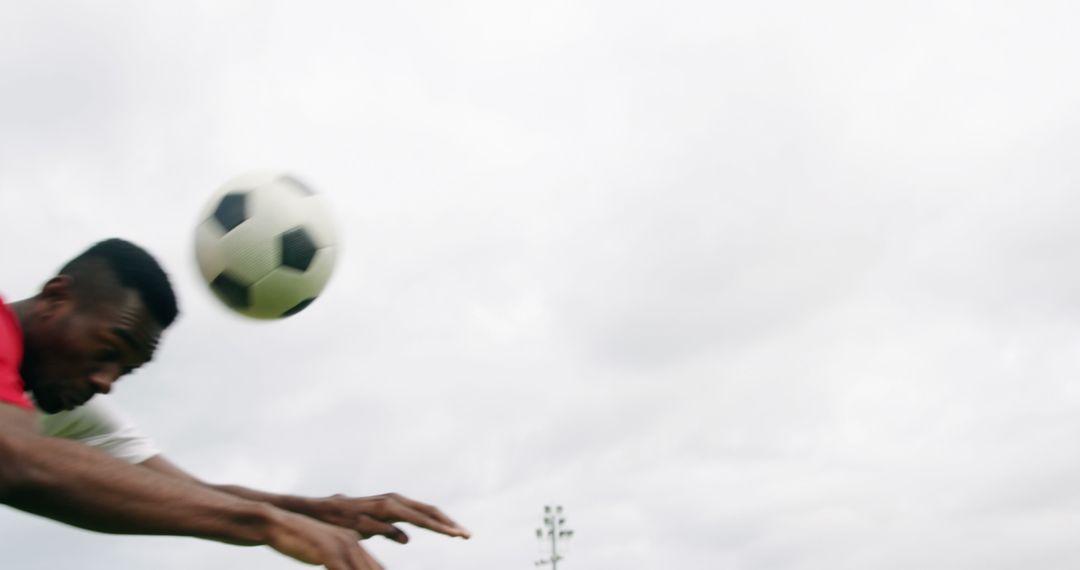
(12, 387)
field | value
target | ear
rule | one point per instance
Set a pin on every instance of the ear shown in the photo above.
(56, 297)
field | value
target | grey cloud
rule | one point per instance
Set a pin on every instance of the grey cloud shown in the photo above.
(742, 287)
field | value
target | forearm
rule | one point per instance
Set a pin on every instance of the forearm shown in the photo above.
(71, 483)
(369, 516)
(309, 506)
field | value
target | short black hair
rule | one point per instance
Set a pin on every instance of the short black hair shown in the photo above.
(134, 269)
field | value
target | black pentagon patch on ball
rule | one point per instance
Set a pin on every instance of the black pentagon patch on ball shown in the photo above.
(231, 211)
(299, 307)
(234, 293)
(297, 249)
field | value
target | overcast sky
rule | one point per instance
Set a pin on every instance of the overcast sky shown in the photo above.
(782, 286)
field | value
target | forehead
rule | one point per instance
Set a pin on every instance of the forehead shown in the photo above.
(129, 314)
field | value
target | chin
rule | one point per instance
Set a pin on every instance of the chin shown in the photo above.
(48, 404)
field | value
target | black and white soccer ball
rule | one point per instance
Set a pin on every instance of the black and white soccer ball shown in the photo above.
(266, 244)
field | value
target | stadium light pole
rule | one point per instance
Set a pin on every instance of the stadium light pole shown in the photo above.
(554, 529)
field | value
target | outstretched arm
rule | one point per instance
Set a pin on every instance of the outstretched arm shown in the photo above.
(369, 516)
(80, 486)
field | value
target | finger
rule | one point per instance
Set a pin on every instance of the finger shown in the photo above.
(434, 512)
(447, 524)
(358, 559)
(351, 556)
(431, 519)
(369, 527)
(366, 561)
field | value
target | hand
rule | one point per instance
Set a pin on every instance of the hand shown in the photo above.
(375, 515)
(308, 540)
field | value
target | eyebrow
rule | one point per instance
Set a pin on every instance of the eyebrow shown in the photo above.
(127, 337)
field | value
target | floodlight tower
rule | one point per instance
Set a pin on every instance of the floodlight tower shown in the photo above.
(555, 530)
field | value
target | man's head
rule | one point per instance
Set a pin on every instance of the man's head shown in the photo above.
(98, 319)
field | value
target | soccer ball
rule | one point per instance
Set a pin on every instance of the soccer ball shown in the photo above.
(266, 244)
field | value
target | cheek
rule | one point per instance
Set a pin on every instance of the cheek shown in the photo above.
(70, 348)
(64, 363)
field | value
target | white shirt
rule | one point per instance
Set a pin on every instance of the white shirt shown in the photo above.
(98, 423)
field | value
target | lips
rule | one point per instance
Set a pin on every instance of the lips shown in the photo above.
(80, 400)
(72, 401)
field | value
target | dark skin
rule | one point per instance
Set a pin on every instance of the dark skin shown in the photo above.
(110, 343)
(369, 516)
(74, 350)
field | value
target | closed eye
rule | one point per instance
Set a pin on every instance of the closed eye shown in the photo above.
(108, 355)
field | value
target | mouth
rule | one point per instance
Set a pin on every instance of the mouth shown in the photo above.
(65, 403)
(69, 402)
